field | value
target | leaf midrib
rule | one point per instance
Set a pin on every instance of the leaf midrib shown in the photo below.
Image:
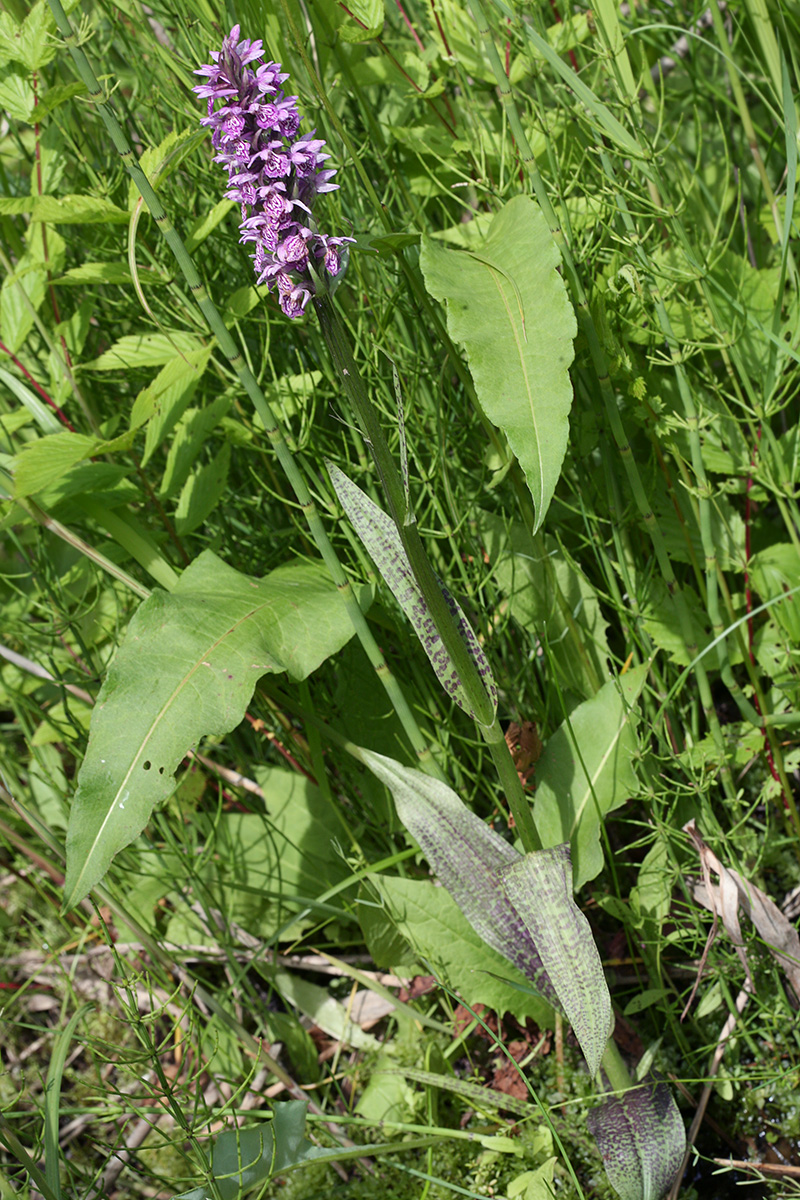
(155, 724)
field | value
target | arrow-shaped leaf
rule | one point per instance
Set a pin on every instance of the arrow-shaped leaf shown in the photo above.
(508, 305)
(187, 668)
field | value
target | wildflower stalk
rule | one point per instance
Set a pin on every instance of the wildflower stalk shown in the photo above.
(353, 385)
(234, 356)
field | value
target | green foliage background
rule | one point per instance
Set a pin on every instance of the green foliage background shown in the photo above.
(129, 448)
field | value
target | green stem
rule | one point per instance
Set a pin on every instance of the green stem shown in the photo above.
(469, 676)
(615, 1070)
(353, 385)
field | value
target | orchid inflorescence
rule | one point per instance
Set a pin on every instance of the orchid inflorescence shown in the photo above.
(274, 175)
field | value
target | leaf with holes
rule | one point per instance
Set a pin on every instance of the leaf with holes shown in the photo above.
(187, 668)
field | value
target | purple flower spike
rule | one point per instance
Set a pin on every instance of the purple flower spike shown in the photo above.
(274, 175)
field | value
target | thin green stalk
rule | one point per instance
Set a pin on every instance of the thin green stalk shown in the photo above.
(249, 383)
(67, 535)
(463, 663)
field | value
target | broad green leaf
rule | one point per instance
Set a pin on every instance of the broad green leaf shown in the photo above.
(540, 887)
(774, 571)
(651, 898)
(159, 162)
(110, 272)
(243, 1158)
(45, 418)
(54, 97)
(189, 439)
(380, 537)
(428, 918)
(21, 295)
(30, 43)
(508, 305)
(45, 461)
(267, 869)
(186, 668)
(146, 350)
(203, 226)
(166, 397)
(368, 22)
(534, 1185)
(660, 619)
(576, 790)
(551, 599)
(66, 210)
(17, 96)
(365, 21)
(387, 1097)
(467, 856)
(202, 492)
(324, 1010)
(641, 1137)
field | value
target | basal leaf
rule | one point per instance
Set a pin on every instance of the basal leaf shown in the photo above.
(429, 920)
(508, 305)
(467, 856)
(641, 1137)
(186, 668)
(380, 537)
(575, 791)
(540, 887)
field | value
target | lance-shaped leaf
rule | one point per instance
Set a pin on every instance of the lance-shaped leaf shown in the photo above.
(508, 305)
(540, 888)
(187, 668)
(641, 1137)
(467, 856)
(587, 771)
(379, 535)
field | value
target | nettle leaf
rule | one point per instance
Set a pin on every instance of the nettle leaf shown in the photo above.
(187, 668)
(44, 462)
(540, 887)
(379, 535)
(508, 305)
(641, 1137)
(467, 856)
(146, 350)
(365, 21)
(574, 792)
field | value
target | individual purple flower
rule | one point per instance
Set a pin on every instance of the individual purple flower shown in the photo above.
(274, 175)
